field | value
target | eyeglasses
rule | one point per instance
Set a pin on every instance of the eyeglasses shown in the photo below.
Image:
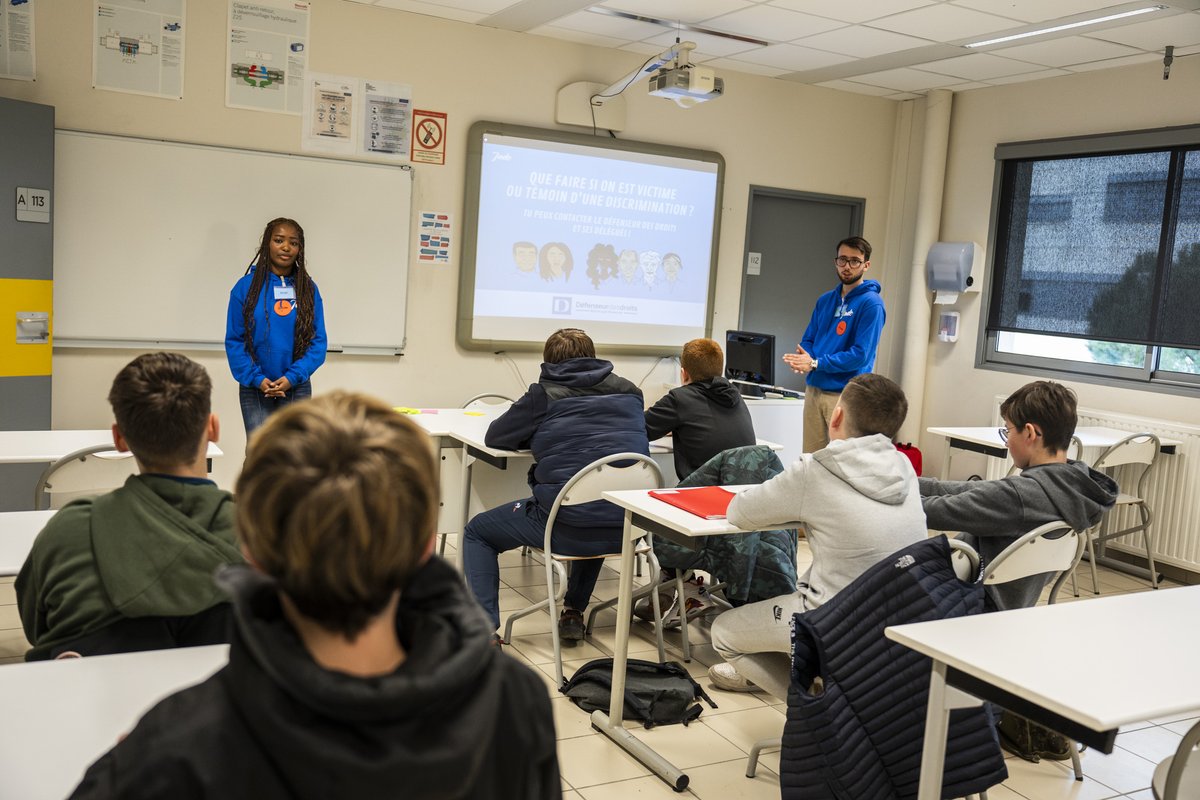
(1003, 435)
(842, 261)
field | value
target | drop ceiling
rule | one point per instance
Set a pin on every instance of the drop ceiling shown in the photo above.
(888, 48)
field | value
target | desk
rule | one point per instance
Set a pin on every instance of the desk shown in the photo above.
(987, 441)
(18, 529)
(645, 513)
(63, 715)
(45, 447)
(1058, 665)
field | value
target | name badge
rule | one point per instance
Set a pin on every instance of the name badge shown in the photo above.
(285, 292)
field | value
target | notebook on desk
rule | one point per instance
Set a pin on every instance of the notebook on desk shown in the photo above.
(709, 502)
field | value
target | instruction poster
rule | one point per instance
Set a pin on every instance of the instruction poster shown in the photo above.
(429, 137)
(386, 119)
(330, 113)
(138, 47)
(16, 41)
(267, 56)
(434, 237)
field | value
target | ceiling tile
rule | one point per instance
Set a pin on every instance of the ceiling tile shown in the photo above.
(966, 87)
(906, 80)
(722, 64)
(1109, 63)
(943, 23)
(1180, 30)
(857, 88)
(431, 10)
(792, 58)
(579, 37)
(681, 10)
(629, 30)
(470, 6)
(978, 67)
(774, 24)
(1035, 10)
(706, 46)
(1064, 51)
(861, 42)
(851, 11)
(1028, 76)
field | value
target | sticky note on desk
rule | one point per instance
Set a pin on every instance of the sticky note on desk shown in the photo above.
(474, 414)
(406, 410)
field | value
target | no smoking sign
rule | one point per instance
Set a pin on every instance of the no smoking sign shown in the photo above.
(429, 137)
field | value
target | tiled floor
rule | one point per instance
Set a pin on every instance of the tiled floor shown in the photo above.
(713, 749)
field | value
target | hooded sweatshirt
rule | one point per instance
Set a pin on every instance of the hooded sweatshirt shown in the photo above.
(858, 502)
(458, 719)
(703, 418)
(273, 335)
(577, 412)
(147, 549)
(843, 335)
(995, 514)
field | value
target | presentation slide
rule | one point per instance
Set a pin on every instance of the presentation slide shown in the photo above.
(613, 241)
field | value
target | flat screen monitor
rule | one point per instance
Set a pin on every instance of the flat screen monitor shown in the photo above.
(750, 357)
(568, 230)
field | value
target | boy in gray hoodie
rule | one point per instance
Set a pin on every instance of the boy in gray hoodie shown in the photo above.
(1039, 420)
(858, 501)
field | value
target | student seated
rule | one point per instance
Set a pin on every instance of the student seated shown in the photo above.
(1039, 420)
(132, 569)
(360, 667)
(577, 412)
(857, 499)
(705, 415)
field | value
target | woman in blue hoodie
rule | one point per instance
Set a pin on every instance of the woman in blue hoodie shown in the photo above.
(275, 330)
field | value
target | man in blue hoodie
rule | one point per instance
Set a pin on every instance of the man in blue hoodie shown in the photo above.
(577, 412)
(840, 339)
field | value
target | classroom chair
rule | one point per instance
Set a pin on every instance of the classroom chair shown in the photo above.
(1138, 451)
(86, 472)
(611, 473)
(1178, 776)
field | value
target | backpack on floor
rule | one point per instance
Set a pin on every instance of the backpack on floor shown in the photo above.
(655, 694)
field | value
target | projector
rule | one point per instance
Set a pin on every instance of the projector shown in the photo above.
(687, 85)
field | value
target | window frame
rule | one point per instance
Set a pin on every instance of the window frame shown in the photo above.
(988, 356)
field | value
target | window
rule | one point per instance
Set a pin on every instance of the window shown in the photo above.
(1097, 257)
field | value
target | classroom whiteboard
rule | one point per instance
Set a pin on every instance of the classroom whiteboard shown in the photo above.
(150, 236)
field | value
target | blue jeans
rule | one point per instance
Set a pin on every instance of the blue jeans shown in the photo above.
(256, 406)
(521, 523)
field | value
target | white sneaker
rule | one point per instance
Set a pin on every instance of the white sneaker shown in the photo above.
(724, 676)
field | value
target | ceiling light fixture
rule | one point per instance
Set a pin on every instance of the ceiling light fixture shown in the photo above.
(1068, 26)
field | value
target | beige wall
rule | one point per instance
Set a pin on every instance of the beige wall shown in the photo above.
(771, 132)
(1126, 99)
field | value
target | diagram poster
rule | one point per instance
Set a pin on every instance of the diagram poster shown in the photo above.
(386, 119)
(267, 55)
(330, 114)
(138, 47)
(435, 235)
(16, 40)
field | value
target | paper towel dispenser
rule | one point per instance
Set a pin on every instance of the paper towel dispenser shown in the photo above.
(949, 266)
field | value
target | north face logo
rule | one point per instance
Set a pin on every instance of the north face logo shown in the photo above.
(904, 562)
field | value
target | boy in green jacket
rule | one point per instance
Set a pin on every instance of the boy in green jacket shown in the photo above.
(132, 569)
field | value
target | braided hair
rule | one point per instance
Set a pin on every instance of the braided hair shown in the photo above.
(304, 291)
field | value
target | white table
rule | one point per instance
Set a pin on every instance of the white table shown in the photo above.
(645, 513)
(1082, 669)
(987, 440)
(18, 529)
(63, 715)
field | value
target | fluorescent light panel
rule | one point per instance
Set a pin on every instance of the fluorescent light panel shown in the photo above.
(1067, 26)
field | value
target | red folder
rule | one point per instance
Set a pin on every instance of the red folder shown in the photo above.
(709, 502)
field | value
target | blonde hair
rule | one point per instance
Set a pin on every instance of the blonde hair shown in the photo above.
(337, 501)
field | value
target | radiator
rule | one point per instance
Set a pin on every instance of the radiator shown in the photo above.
(1172, 491)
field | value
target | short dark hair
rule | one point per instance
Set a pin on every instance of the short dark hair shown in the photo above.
(337, 501)
(874, 404)
(567, 343)
(161, 402)
(858, 243)
(703, 359)
(1048, 405)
